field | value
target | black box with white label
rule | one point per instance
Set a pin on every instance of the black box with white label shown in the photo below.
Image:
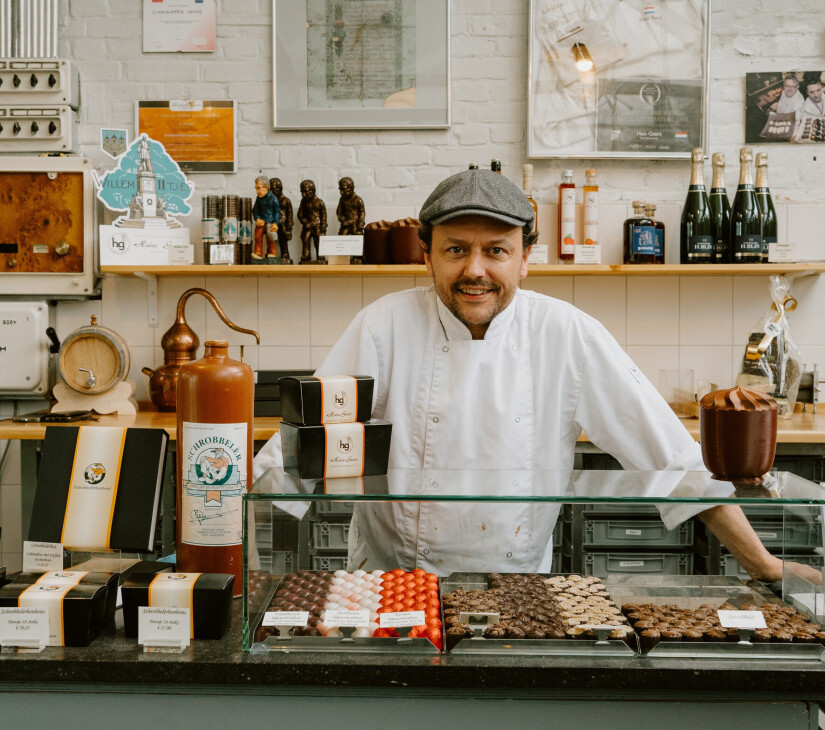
(310, 401)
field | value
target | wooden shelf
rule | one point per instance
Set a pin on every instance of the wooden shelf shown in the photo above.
(420, 270)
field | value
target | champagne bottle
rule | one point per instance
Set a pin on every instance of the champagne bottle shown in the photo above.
(720, 211)
(527, 189)
(567, 216)
(766, 209)
(639, 237)
(745, 218)
(659, 239)
(590, 198)
(696, 231)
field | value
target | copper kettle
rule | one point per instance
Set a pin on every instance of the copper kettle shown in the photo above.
(180, 345)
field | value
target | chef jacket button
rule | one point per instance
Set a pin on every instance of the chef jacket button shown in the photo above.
(425, 551)
(509, 555)
(445, 349)
(435, 419)
(514, 347)
(518, 420)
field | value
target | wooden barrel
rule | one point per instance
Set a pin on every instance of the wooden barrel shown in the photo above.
(99, 350)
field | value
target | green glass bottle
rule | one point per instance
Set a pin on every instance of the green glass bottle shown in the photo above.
(720, 211)
(696, 243)
(766, 209)
(745, 217)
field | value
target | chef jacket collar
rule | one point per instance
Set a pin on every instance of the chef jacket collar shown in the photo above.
(457, 330)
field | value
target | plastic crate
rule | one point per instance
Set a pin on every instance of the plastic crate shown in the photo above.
(282, 562)
(636, 533)
(557, 537)
(328, 562)
(333, 510)
(555, 565)
(790, 535)
(776, 512)
(728, 565)
(330, 535)
(600, 564)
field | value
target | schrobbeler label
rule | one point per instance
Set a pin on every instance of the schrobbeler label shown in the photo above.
(339, 399)
(174, 590)
(62, 577)
(344, 450)
(48, 596)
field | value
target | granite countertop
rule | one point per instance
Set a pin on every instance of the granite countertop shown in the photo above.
(114, 660)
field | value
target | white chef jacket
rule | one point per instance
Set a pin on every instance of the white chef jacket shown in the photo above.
(518, 399)
(810, 109)
(788, 104)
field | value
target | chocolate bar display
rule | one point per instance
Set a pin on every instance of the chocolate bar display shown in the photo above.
(207, 595)
(310, 401)
(336, 450)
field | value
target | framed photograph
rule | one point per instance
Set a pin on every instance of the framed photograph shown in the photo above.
(350, 64)
(620, 79)
(784, 106)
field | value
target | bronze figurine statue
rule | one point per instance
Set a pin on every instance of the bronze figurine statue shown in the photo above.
(312, 213)
(350, 209)
(276, 187)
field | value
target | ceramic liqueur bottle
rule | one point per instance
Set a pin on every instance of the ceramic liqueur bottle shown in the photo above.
(696, 231)
(766, 210)
(745, 218)
(720, 211)
(567, 217)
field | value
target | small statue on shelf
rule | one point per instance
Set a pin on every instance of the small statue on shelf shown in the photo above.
(350, 209)
(312, 213)
(276, 187)
(266, 213)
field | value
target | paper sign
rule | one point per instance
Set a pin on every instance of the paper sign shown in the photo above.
(164, 626)
(340, 245)
(178, 25)
(742, 619)
(139, 246)
(394, 619)
(341, 617)
(538, 254)
(41, 557)
(181, 254)
(587, 253)
(26, 627)
(286, 618)
(222, 253)
(781, 253)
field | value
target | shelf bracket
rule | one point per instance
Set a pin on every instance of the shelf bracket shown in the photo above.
(151, 297)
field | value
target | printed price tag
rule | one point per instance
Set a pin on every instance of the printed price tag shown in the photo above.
(286, 618)
(181, 254)
(394, 619)
(340, 245)
(41, 557)
(24, 627)
(221, 253)
(781, 253)
(587, 254)
(164, 626)
(341, 617)
(742, 619)
(538, 254)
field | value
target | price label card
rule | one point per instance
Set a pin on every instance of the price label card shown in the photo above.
(42, 557)
(341, 617)
(340, 245)
(472, 617)
(221, 253)
(587, 254)
(781, 253)
(286, 618)
(164, 626)
(593, 627)
(742, 619)
(538, 254)
(394, 619)
(24, 627)
(181, 254)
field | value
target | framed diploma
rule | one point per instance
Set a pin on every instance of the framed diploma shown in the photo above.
(621, 79)
(349, 64)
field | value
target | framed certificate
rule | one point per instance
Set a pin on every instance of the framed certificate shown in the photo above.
(349, 64)
(622, 79)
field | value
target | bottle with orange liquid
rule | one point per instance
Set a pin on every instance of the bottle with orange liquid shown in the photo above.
(567, 216)
(590, 198)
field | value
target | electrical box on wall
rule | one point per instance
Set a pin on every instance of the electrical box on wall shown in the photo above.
(37, 129)
(24, 349)
(38, 81)
(47, 227)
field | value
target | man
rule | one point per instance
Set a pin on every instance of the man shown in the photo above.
(266, 213)
(791, 99)
(475, 373)
(814, 105)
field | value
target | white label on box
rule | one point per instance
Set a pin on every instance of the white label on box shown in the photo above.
(631, 563)
(165, 626)
(742, 619)
(767, 535)
(339, 399)
(635, 533)
(25, 627)
(344, 450)
(38, 557)
(341, 617)
(781, 253)
(286, 618)
(181, 254)
(587, 253)
(141, 246)
(340, 245)
(393, 619)
(538, 254)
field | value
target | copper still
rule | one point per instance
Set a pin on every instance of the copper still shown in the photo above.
(180, 345)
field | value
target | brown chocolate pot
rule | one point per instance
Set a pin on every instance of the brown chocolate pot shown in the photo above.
(404, 243)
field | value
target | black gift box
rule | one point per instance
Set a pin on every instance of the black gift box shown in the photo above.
(3, 580)
(83, 607)
(211, 603)
(124, 567)
(301, 401)
(305, 449)
(268, 392)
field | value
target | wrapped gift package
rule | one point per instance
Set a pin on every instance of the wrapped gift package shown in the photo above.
(207, 595)
(310, 401)
(336, 450)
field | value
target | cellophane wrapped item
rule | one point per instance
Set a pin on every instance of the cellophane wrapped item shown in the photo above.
(772, 363)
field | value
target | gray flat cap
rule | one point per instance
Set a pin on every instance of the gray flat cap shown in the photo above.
(477, 192)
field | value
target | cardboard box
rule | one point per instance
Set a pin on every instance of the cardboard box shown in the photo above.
(124, 567)
(75, 611)
(99, 488)
(336, 450)
(209, 598)
(310, 401)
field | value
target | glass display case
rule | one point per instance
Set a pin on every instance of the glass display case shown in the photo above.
(601, 563)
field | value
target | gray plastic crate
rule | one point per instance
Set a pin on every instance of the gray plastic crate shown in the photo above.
(555, 565)
(557, 537)
(600, 564)
(728, 565)
(333, 510)
(790, 535)
(776, 512)
(328, 562)
(636, 533)
(330, 535)
(282, 562)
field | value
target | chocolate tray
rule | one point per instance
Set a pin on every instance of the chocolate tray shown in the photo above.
(689, 591)
(479, 644)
